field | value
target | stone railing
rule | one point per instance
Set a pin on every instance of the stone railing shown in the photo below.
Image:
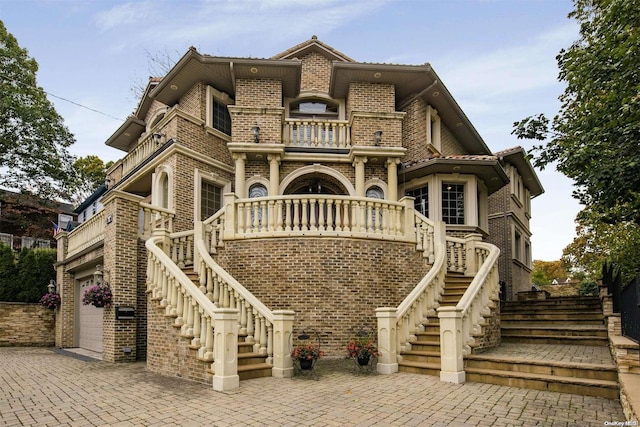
(318, 215)
(460, 324)
(155, 217)
(139, 154)
(86, 234)
(255, 319)
(310, 133)
(182, 248)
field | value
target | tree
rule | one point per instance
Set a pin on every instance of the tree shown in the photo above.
(89, 174)
(545, 271)
(25, 279)
(33, 138)
(595, 138)
(7, 272)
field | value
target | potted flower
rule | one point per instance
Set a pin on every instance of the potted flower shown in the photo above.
(362, 348)
(50, 300)
(98, 295)
(306, 355)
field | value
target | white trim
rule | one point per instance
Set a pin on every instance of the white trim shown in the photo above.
(317, 168)
(212, 93)
(377, 182)
(156, 187)
(256, 179)
(198, 177)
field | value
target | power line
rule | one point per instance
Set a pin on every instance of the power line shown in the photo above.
(63, 99)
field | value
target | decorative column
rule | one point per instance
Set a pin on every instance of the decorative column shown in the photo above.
(282, 330)
(240, 159)
(66, 288)
(387, 340)
(274, 174)
(225, 349)
(392, 179)
(358, 163)
(451, 357)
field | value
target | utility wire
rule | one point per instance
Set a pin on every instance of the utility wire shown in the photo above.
(61, 98)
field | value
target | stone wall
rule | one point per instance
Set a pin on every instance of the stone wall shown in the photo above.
(26, 325)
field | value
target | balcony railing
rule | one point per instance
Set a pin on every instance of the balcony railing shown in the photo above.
(309, 133)
(139, 154)
(86, 234)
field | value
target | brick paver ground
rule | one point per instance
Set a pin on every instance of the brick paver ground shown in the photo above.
(40, 387)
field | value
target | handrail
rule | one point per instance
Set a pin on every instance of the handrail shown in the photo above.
(262, 309)
(483, 273)
(86, 234)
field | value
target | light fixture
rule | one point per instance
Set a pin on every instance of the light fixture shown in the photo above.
(157, 138)
(256, 133)
(378, 137)
(98, 275)
(52, 287)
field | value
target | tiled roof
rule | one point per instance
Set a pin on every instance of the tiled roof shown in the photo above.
(508, 151)
(458, 157)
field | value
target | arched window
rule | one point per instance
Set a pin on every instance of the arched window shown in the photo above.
(164, 191)
(375, 192)
(258, 190)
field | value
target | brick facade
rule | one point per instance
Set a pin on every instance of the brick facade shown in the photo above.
(26, 325)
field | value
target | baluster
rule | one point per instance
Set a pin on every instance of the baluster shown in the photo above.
(296, 214)
(288, 220)
(202, 277)
(240, 218)
(256, 330)
(338, 219)
(189, 257)
(181, 248)
(329, 208)
(243, 317)
(187, 328)
(216, 290)
(304, 221)
(313, 205)
(270, 343)
(270, 220)
(263, 216)
(250, 325)
(195, 342)
(165, 289)
(460, 248)
(174, 251)
(179, 306)
(208, 356)
(211, 292)
(362, 217)
(225, 295)
(279, 219)
(263, 335)
(203, 335)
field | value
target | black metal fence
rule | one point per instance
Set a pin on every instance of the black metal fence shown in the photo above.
(626, 300)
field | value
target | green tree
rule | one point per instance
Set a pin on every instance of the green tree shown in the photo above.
(33, 138)
(7, 273)
(595, 138)
(544, 272)
(35, 270)
(89, 174)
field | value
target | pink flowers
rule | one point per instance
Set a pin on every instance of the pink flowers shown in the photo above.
(98, 295)
(308, 352)
(50, 300)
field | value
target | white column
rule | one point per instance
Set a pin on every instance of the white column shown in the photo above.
(451, 357)
(392, 179)
(387, 340)
(274, 174)
(282, 330)
(240, 178)
(225, 349)
(359, 165)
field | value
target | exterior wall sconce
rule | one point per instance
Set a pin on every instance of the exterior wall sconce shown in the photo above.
(256, 133)
(52, 287)
(378, 137)
(98, 275)
(157, 138)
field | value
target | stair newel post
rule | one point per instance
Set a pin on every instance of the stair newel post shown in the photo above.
(451, 357)
(195, 342)
(229, 216)
(472, 257)
(282, 330)
(387, 340)
(226, 350)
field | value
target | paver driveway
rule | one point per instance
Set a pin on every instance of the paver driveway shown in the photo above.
(43, 388)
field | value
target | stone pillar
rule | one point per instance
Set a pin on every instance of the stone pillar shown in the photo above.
(471, 261)
(392, 179)
(282, 330)
(451, 358)
(225, 349)
(240, 174)
(358, 163)
(274, 174)
(229, 231)
(121, 272)
(387, 340)
(65, 315)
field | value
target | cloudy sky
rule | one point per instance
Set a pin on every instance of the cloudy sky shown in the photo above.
(497, 58)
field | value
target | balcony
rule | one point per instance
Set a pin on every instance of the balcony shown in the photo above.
(316, 134)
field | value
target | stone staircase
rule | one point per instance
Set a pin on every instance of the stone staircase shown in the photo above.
(424, 356)
(550, 328)
(250, 363)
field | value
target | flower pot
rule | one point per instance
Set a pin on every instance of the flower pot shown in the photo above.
(364, 360)
(306, 364)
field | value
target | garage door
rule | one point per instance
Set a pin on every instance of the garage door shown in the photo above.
(90, 325)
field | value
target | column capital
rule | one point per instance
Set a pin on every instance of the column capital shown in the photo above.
(392, 161)
(239, 156)
(359, 160)
(274, 157)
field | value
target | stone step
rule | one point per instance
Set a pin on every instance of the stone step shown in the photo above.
(552, 309)
(555, 339)
(425, 346)
(421, 356)
(257, 370)
(245, 359)
(423, 368)
(558, 316)
(583, 386)
(428, 337)
(525, 329)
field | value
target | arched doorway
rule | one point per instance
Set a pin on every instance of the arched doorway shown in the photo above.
(316, 183)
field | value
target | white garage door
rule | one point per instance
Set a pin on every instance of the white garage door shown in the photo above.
(90, 327)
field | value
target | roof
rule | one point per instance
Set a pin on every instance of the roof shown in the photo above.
(92, 198)
(518, 158)
(313, 45)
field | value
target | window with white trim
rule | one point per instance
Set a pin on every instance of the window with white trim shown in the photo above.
(453, 203)
(210, 199)
(218, 116)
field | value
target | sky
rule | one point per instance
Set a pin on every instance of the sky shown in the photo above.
(496, 57)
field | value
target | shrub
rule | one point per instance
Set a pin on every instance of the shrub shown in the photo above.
(588, 289)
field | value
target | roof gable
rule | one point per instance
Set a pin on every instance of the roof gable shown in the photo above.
(313, 45)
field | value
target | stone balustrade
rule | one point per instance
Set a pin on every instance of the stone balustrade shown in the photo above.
(155, 217)
(86, 234)
(310, 133)
(139, 154)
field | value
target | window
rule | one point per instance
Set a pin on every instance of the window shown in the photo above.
(210, 199)
(453, 203)
(221, 119)
(433, 128)
(258, 190)
(517, 246)
(375, 192)
(421, 202)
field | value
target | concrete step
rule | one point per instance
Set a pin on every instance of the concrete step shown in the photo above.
(423, 368)
(556, 316)
(428, 337)
(425, 346)
(421, 356)
(583, 386)
(257, 370)
(522, 328)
